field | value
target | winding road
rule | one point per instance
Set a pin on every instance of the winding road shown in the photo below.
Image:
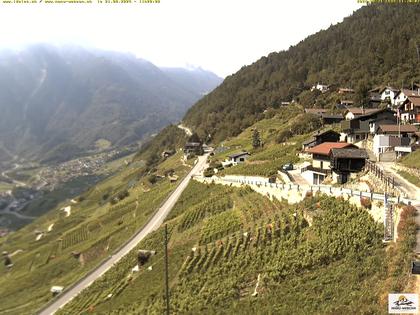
(152, 225)
(16, 182)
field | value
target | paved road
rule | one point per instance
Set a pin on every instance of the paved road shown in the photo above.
(186, 129)
(153, 224)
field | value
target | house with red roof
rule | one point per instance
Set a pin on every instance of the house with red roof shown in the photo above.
(334, 159)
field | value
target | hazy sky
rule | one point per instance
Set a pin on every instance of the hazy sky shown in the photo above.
(218, 35)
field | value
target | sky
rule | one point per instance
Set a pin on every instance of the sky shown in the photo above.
(218, 35)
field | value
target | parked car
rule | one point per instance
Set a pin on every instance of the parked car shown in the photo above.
(272, 179)
(287, 167)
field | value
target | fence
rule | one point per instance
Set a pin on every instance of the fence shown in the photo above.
(329, 190)
(389, 181)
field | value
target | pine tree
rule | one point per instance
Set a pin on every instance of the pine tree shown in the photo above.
(256, 139)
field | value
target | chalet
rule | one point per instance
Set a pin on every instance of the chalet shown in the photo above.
(345, 161)
(237, 158)
(193, 148)
(388, 94)
(397, 130)
(345, 91)
(374, 99)
(354, 112)
(321, 161)
(363, 127)
(410, 110)
(391, 139)
(321, 87)
(321, 137)
(384, 145)
(403, 94)
(328, 119)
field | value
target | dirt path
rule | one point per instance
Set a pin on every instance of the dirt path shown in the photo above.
(410, 189)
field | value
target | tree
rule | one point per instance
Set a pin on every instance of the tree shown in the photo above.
(194, 138)
(256, 139)
(362, 94)
(152, 179)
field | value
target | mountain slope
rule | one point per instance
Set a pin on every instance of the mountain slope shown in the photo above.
(193, 79)
(373, 46)
(65, 99)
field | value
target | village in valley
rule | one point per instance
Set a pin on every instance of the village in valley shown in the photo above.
(30, 182)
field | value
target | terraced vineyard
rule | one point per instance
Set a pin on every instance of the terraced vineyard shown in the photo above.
(224, 259)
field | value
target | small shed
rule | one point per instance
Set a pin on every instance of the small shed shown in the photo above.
(239, 157)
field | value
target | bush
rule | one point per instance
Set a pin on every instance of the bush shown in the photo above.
(366, 203)
(209, 172)
(123, 194)
(152, 179)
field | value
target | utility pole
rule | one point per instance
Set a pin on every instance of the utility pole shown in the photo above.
(166, 271)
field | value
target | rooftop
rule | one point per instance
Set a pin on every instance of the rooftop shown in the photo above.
(326, 147)
(362, 111)
(315, 110)
(233, 156)
(414, 99)
(389, 88)
(408, 92)
(193, 144)
(350, 153)
(397, 128)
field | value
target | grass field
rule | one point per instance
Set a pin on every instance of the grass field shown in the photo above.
(412, 160)
(411, 178)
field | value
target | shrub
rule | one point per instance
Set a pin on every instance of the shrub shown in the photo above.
(123, 194)
(366, 203)
(209, 172)
(152, 179)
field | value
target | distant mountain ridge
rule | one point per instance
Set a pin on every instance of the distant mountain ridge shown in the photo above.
(58, 101)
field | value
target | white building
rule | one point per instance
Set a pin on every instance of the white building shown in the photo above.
(321, 87)
(388, 93)
(402, 95)
(237, 158)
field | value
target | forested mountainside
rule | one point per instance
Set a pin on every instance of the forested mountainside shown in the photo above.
(378, 44)
(59, 101)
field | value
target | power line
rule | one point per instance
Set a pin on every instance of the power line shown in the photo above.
(166, 271)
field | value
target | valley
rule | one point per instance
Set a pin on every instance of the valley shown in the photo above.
(290, 187)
